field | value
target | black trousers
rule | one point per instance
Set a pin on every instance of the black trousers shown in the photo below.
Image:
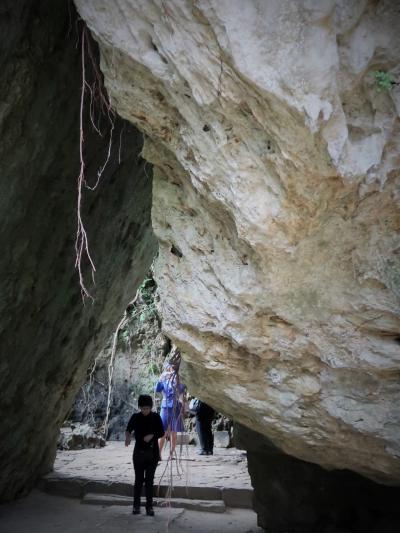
(204, 431)
(144, 464)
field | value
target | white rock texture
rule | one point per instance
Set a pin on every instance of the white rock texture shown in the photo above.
(276, 208)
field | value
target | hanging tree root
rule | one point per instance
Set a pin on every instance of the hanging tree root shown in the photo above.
(99, 98)
(89, 399)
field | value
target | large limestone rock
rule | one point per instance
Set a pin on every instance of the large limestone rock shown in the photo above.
(47, 336)
(276, 208)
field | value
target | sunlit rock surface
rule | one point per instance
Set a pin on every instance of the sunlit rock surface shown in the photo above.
(276, 208)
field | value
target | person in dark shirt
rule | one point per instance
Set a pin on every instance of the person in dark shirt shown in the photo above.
(204, 418)
(148, 428)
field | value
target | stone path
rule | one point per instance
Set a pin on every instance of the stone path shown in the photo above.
(103, 477)
(43, 513)
(227, 468)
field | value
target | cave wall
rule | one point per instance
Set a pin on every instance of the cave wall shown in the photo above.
(276, 208)
(48, 337)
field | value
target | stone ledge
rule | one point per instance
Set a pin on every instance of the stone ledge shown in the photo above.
(240, 498)
(211, 506)
(80, 488)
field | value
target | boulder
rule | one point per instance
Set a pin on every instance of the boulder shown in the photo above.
(80, 436)
(273, 128)
(222, 439)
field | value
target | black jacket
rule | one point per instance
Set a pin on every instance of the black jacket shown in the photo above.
(205, 412)
(145, 425)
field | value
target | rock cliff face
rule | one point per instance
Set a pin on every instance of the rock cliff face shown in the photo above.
(47, 336)
(140, 353)
(276, 151)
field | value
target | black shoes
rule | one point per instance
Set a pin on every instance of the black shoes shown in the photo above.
(149, 511)
(203, 452)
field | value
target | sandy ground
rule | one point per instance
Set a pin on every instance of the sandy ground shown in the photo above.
(226, 468)
(42, 513)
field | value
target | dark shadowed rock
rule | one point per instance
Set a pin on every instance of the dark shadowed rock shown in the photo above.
(292, 495)
(47, 336)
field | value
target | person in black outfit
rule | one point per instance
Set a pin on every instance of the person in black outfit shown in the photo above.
(204, 418)
(148, 428)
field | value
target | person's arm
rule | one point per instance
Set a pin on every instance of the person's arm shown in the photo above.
(159, 386)
(185, 403)
(159, 428)
(128, 432)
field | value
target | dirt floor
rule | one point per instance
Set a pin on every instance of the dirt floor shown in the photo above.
(42, 513)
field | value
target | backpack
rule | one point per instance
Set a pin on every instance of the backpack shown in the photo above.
(194, 406)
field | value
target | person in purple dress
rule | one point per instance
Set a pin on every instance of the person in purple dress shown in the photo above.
(171, 405)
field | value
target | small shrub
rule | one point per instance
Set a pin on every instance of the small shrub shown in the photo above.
(384, 80)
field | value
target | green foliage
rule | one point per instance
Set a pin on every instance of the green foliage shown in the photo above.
(139, 312)
(125, 335)
(146, 290)
(133, 312)
(149, 312)
(384, 80)
(149, 367)
(155, 368)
